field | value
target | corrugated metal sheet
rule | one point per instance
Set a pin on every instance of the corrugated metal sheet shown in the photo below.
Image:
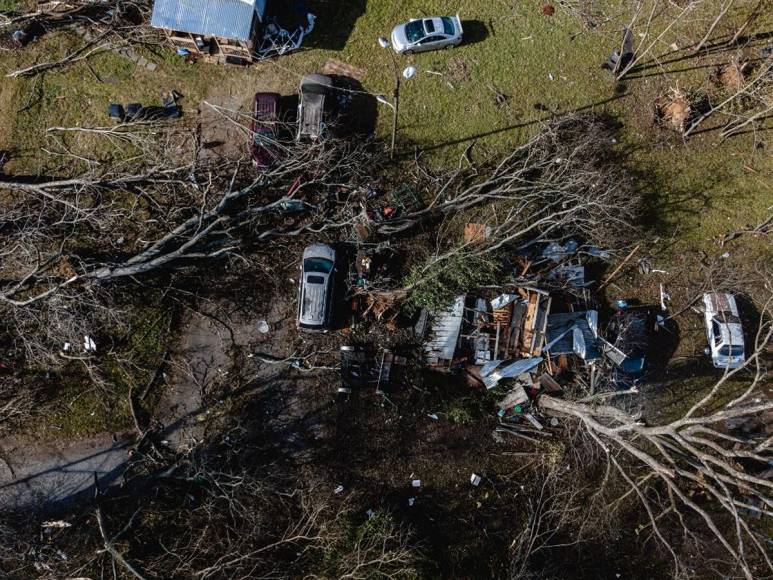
(221, 18)
(445, 333)
(561, 334)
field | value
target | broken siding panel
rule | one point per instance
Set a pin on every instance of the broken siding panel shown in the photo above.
(444, 335)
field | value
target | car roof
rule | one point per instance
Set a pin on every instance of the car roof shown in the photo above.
(721, 302)
(314, 298)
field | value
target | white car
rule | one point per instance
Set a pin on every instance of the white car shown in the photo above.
(422, 34)
(315, 300)
(724, 331)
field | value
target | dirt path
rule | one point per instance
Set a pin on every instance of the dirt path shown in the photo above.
(35, 473)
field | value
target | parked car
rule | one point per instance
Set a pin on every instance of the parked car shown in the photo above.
(315, 300)
(723, 329)
(313, 105)
(263, 131)
(629, 331)
(423, 34)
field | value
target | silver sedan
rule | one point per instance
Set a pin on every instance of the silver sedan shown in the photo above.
(424, 34)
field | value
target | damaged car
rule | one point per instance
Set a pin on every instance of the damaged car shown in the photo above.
(723, 330)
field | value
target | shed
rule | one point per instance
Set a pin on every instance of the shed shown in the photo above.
(219, 30)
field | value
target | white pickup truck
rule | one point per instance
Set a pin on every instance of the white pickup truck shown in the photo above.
(724, 331)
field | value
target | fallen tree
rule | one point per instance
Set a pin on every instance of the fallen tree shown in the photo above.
(696, 471)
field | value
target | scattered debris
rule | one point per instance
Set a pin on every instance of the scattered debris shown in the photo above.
(89, 345)
(619, 60)
(263, 327)
(674, 109)
(732, 76)
(533, 420)
(476, 233)
(475, 479)
(416, 483)
(339, 490)
(59, 524)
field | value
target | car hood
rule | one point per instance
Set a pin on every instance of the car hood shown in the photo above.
(399, 39)
(319, 251)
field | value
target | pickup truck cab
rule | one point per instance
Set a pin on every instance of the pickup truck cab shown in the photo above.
(724, 331)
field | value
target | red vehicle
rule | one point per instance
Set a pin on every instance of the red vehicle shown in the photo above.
(263, 132)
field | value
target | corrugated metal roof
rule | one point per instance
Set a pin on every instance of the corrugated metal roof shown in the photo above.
(222, 18)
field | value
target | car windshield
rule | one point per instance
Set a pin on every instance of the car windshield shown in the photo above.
(735, 350)
(448, 26)
(318, 265)
(414, 31)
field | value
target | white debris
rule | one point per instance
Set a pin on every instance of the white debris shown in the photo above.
(263, 327)
(66, 347)
(475, 479)
(339, 490)
(56, 524)
(533, 420)
(434, 416)
(88, 344)
(411, 501)
(416, 483)
(370, 513)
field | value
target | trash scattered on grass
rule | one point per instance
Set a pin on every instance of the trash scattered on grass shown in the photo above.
(339, 490)
(416, 483)
(475, 479)
(263, 327)
(411, 501)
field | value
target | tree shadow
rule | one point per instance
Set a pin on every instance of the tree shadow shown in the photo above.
(356, 107)
(719, 46)
(335, 23)
(409, 153)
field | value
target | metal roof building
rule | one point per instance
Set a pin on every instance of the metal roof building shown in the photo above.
(231, 19)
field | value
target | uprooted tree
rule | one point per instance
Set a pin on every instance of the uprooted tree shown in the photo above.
(699, 472)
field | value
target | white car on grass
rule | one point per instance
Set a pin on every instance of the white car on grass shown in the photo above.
(423, 34)
(724, 331)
